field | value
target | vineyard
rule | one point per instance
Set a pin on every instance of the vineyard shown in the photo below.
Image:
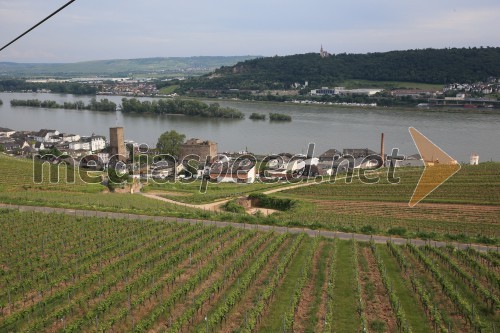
(472, 184)
(464, 209)
(74, 274)
(17, 187)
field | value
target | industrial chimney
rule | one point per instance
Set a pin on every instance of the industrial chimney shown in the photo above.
(382, 151)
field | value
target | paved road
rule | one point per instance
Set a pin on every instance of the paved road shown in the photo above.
(310, 232)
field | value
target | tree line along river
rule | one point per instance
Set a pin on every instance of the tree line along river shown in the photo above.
(459, 133)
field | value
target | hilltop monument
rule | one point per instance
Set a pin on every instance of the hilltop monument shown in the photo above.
(323, 53)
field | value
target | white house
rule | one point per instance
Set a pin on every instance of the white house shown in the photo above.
(53, 139)
(162, 173)
(39, 146)
(80, 145)
(44, 135)
(240, 171)
(69, 137)
(97, 143)
(93, 143)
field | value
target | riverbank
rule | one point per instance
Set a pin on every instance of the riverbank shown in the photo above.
(458, 133)
(302, 103)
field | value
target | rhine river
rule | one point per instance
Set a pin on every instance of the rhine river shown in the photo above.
(459, 133)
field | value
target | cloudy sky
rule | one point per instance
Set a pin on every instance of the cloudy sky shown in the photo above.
(110, 29)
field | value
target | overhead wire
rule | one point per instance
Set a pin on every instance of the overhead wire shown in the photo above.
(36, 25)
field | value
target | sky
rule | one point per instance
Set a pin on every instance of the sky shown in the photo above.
(125, 29)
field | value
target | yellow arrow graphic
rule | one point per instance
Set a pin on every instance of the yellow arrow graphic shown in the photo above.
(438, 167)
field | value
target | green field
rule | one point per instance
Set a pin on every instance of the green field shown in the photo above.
(17, 187)
(61, 273)
(190, 192)
(169, 90)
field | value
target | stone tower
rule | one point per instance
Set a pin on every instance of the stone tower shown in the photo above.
(117, 143)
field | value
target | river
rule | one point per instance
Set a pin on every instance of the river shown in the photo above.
(459, 133)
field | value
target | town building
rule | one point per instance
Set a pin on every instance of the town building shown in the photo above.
(414, 93)
(6, 132)
(80, 145)
(237, 171)
(97, 142)
(64, 137)
(9, 146)
(322, 91)
(344, 91)
(329, 155)
(358, 152)
(39, 146)
(199, 148)
(46, 135)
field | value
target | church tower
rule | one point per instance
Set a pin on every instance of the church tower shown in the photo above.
(323, 53)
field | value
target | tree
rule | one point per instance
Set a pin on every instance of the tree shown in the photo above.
(170, 143)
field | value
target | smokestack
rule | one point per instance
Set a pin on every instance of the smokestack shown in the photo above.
(382, 152)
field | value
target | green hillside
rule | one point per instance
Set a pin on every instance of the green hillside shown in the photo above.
(159, 65)
(436, 66)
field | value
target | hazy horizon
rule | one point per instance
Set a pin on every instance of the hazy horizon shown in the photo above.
(93, 30)
(152, 57)
(227, 56)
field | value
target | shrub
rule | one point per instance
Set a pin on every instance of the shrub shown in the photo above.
(397, 231)
(258, 116)
(368, 229)
(233, 207)
(265, 201)
(279, 117)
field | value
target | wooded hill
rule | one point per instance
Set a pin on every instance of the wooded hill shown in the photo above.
(438, 66)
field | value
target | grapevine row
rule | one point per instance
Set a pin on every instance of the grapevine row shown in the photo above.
(424, 297)
(258, 308)
(401, 320)
(477, 266)
(359, 293)
(189, 285)
(151, 275)
(133, 252)
(462, 305)
(290, 314)
(234, 295)
(66, 272)
(124, 273)
(158, 287)
(330, 290)
(484, 293)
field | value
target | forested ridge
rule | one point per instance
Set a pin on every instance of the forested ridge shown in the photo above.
(75, 88)
(438, 66)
